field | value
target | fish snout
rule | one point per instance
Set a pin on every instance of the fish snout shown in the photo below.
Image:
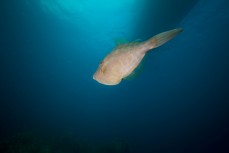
(94, 76)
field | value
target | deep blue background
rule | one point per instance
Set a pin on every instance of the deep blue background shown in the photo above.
(180, 103)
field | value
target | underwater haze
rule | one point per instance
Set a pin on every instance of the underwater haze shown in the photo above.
(50, 50)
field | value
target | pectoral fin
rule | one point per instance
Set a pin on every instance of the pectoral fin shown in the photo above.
(136, 72)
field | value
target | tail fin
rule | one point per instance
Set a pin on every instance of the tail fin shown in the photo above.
(163, 37)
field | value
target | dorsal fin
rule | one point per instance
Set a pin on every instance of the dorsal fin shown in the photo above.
(123, 43)
(120, 41)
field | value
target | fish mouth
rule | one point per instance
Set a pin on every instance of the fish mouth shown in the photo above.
(94, 77)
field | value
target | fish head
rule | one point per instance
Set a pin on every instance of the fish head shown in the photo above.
(105, 75)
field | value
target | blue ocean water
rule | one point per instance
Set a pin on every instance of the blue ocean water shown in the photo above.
(50, 50)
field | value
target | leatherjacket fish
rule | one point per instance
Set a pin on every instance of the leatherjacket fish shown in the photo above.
(125, 58)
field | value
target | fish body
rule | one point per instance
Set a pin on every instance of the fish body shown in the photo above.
(124, 59)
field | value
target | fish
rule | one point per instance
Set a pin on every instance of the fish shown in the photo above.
(124, 59)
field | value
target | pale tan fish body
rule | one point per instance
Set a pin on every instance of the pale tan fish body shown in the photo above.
(123, 60)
